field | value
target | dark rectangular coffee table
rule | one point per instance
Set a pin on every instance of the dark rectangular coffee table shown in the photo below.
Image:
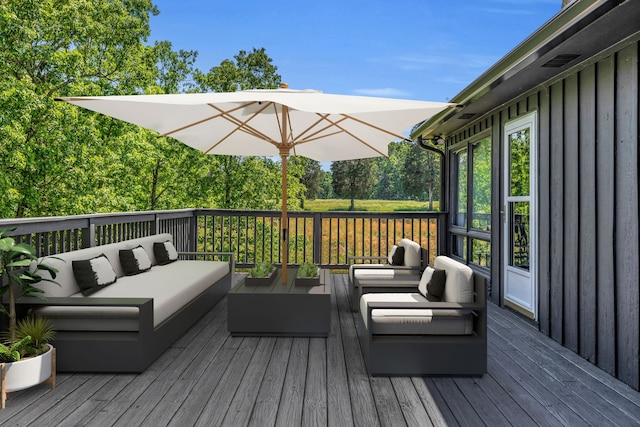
(281, 309)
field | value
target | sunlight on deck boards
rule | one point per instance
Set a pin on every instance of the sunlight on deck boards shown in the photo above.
(210, 378)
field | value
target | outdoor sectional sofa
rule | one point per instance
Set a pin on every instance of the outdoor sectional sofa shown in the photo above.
(389, 277)
(406, 333)
(126, 325)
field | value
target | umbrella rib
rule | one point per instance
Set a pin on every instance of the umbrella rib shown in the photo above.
(243, 126)
(360, 139)
(378, 128)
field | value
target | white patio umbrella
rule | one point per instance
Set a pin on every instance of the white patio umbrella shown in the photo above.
(276, 122)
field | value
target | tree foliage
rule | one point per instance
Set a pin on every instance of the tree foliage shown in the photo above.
(354, 179)
(58, 159)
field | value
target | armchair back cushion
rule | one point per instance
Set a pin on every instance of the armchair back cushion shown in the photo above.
(459, 280)
(412, 253)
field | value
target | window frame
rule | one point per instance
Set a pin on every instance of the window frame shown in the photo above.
(466, 232)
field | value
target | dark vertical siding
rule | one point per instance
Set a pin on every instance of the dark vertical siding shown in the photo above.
(544, 215)
(627, 231)
(588, 261)
(557, 210)
(572, 175)
(605, 204)
(588, 207)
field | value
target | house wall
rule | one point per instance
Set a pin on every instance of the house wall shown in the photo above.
(588, 204)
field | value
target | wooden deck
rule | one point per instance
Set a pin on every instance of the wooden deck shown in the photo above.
(209, 378)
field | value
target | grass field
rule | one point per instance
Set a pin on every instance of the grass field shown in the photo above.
(368, 205)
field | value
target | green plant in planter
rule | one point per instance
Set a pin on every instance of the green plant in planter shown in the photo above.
(41, 332)
(308, 270)
(13, 352)
(16, 278)
(261, 269)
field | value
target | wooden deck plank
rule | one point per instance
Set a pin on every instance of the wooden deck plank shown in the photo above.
(241, 406)
(314, 409)
(362, 403)
(290, 409)
(414, 412)
(460, 407)
(211, 378)
(217, 406)
(434, 405)
(617, 396)
(338, 400)
(483, 405)
(265, 410)
(386, 401)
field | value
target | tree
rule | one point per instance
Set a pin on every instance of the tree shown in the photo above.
(48, 49)
(421, 177)
(354, 179)
(253, 70)
(391, 173)
(249, 182)
(309, 176)
(325, 186)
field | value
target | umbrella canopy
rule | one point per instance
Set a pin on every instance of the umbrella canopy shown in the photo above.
(278, 122)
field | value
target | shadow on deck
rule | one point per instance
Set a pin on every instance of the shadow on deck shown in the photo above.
(210, 378)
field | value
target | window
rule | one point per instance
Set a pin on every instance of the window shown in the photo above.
(471, 197)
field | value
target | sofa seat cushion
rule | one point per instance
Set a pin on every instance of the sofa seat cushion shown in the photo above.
(354, 267)
(414, 321)
(171, 286)
(381, 273)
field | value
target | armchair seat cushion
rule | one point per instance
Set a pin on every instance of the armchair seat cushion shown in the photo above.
(413, 321)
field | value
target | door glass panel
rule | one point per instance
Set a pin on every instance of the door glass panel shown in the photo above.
(460, 217)
(481, 178)
(519, 234)
(519, 143)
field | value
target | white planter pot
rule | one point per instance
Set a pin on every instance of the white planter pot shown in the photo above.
(28, 372)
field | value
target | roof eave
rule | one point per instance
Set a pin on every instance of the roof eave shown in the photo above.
(517, 59)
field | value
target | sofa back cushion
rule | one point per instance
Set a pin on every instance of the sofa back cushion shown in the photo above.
(63, 263)
(412, 253)
(459, 280)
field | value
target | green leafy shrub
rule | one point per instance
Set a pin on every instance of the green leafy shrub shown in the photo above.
(261, 269)
(308, 270)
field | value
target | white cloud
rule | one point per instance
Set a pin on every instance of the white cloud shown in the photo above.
(386, 92)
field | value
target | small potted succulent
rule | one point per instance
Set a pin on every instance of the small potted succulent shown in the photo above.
(308, 275)
(261, 274)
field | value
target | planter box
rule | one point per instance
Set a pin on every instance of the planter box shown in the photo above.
(307, 281)
(261, 281)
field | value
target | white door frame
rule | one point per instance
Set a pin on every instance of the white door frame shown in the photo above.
(520, 285)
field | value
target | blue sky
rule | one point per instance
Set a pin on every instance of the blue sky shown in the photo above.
(416, 49)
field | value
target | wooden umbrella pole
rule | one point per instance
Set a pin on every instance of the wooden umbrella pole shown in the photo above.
(284, 154)
(285, 220)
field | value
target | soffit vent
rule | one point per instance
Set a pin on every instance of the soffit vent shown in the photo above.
(560, 60)
(467, 116)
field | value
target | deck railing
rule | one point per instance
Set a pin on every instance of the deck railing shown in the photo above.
(325, 238)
